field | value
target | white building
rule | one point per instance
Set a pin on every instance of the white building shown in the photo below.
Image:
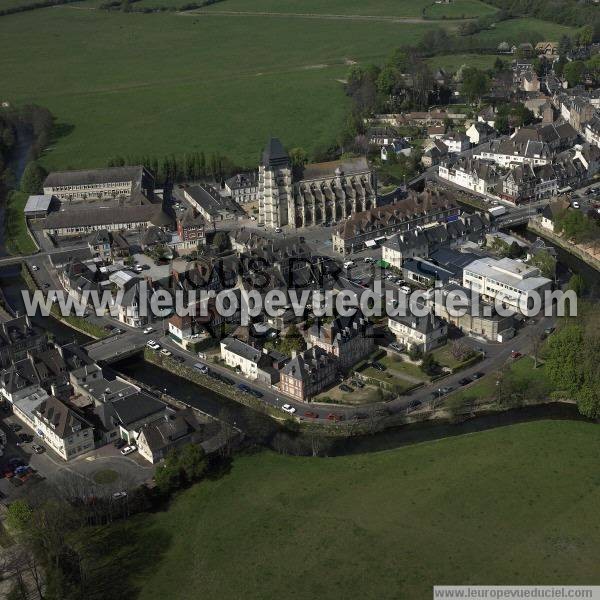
(508, 281)
(98, 184)
(480, 132)
(426, 333)
(62, 429)
(243, 187)
(480, 176)
(504, 152)
(456, 142)
(242, 356)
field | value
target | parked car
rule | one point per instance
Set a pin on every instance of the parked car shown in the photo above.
(256, 393)
(477, 376)
(345, 388)
(35, 268)
(464, 381)
(378, 366)
(165, 352)
(288, 408)
(24, 438)
(335, 417)
(37, 448)
(119, 495)
(243, 388)
(148, 330)
(120, 443)
(152, 345)
(311, 415)
(278, 230)
(202, 368)
(414, 403)
(549, 331)
(514, 354)
(108, 328)
(128, 450)
(396, 346)
(358, 383)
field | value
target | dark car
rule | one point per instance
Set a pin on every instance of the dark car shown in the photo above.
(477, 376)
(243, 388)
(378, 366)
(179, 359)
(358, 383)
(335, 417)
(345, 388)
(414, 403)
(464, 381)
(256, 393)
(108, 328)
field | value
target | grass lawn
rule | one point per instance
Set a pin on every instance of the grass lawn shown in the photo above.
(391, 8)
(514, 505)
(459, 9)
(521, 371)
(525, 30)
(453, 62)
(18, 240)
(105, 476)
(122, 84)
(403, 367)
(445, 358)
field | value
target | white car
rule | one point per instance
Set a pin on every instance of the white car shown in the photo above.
(202, 368)
(128, 450)
(348, 264)
(253, 218)
(152, 345)
(288, 408)
(35, 268)
(119, 495)
(148, 330)
(166, 352)
(278, 230)
(575, 204)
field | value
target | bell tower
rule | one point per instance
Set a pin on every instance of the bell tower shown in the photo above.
(275, 186)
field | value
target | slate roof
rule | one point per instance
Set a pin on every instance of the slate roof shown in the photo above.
(173, 428)
(426, 324)
(274, 154)
(306, 365)
(94, 176)
(136, 407)
(100, 216)
(63, 419)
(38, 203)
(242, 349)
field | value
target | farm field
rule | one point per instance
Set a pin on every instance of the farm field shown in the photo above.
(514, 505)
(524, 30)
(165, 83)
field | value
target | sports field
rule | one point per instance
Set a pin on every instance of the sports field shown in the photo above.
(515, 505)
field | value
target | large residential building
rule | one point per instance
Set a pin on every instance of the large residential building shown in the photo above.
(82, 221)
(425, 333)
(416, 210)
(480, 132)
(213, 207)
(456, 142)
(511, 282)
(505, 152)
(421, 242)
(481, 176)
(190, 228)
(18, 337)
(243, 187)
(308, 373)
(324, 192)
(63, 429)
(99, 184)
(349, 339)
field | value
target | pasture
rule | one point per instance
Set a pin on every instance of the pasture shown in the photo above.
(514, 505)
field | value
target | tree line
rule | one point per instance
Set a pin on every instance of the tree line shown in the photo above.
(34, 5)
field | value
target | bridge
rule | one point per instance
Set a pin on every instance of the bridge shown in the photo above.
(116, 347)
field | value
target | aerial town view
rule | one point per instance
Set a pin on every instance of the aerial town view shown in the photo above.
(299, 299)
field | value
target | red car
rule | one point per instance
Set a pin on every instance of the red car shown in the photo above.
(311, 415)
(334, 417)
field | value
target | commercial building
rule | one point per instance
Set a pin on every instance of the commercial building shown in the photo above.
(509, 281)
(99, 184)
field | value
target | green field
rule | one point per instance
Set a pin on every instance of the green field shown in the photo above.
(162, 83)
(453, 62)
(515, 505)
(525, 30)
(459, 9)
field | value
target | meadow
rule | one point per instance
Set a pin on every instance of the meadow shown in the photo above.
(514, 505)
(459, 9)
(156, 84)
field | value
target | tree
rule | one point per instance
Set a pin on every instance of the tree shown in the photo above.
(573, 72)
(192, 462)
(220, 240)
(577, 284)
(475, 84)
(546, 263)
(293, 341)
(33, 178)
(168, 475)
(19, 514)
(298, 157)
(429, 364)
(585, 35)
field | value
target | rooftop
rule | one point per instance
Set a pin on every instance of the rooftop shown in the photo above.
(94, 176)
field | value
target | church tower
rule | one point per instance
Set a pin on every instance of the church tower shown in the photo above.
(275, 191)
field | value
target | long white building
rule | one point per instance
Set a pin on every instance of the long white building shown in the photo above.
(510, 281)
